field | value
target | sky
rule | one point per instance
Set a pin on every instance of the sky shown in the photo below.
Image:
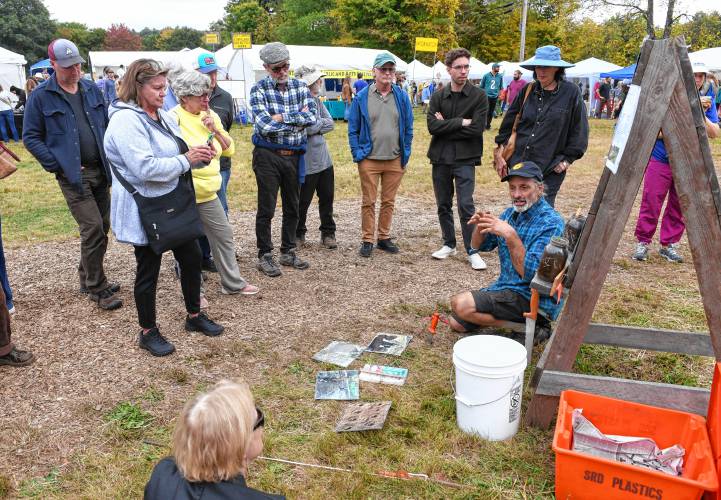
(198, 14)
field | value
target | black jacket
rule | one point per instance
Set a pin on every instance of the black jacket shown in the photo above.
(548, 132)
(222, 103)
(166, 482)
(467, 141)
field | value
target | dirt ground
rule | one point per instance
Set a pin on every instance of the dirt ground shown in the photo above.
(87, 360)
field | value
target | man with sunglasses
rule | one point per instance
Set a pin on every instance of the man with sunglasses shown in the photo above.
(380, 133)
(456, 120)
(64, 128)
(282, 108)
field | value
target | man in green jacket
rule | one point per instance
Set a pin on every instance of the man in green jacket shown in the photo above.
(492, 83)
(456, 118)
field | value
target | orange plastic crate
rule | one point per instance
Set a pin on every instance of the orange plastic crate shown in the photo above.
(714, 425)
(583, 476)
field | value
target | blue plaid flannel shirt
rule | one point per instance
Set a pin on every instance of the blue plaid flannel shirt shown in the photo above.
(266, 100)
(535, 227)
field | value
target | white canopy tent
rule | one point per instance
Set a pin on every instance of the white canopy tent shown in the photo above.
(440, 73)
(12, 69)
(710, 57)
(113, 59)
(418, 72)
(478, 69)
(590, 69)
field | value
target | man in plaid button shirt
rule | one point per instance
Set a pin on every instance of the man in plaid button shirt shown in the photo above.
(521, 234)
(282, 108)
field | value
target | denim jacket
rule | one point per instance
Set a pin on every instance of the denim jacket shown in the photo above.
(50, 131)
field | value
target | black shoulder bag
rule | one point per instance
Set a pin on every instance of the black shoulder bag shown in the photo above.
(172, 219)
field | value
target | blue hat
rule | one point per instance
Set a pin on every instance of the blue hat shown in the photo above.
(548, 55)
(526, 169)
(206, 63)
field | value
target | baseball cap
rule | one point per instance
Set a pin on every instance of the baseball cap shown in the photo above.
(64, 52)
(495, 66)
(699, 67)
(206, 63)
(526, 169)
(383, 58)
(308, 75)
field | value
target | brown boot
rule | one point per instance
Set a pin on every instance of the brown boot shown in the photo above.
(106, 299)
(17, 358)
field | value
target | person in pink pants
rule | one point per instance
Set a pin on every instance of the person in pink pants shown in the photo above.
(658, 184)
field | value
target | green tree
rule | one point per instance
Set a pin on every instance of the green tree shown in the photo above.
(26, 28)
(702, 31)
(249, 17)
(178, 38)
(86, 39)
(306, 22)
(149, 38)
(394, 24)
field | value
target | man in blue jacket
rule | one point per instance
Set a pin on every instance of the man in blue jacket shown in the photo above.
(64, 126)
(380, 132)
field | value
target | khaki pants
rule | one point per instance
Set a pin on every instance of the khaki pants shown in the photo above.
(390, 173)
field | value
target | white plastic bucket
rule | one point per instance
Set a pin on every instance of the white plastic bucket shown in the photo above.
(489, 385)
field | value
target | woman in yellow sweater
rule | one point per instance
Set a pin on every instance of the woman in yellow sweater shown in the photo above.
(200, 125)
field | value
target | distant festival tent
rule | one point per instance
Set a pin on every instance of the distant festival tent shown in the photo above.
(507, 70)
(12, 69)
(41, 65)
(710, 57)
(418, 72)
(590, 69)
(621, 74)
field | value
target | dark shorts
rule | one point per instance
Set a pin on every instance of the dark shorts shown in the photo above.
(505, 305)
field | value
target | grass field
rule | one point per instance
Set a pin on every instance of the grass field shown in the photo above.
(421, 435)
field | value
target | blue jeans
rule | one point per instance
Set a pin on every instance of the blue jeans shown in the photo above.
(7, 116)
(4, 275)
(223, 192)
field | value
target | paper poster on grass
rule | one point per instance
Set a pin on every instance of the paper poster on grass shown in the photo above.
(341, 385)
(623, 128)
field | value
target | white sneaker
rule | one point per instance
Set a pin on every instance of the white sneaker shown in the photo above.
(444, 252)
(477, 262)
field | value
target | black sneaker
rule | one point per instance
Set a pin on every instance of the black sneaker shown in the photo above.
(155, 343)
(17, 358)
(113, 287)
(106, 300)
(388, 246)
(291, 259)
(542, 334)
(366, 249)
(209, 265)
(203, 324)
(328, 241)
(268, 266)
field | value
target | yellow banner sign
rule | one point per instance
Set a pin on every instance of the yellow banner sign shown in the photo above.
(242, 41)
(426, 44)
(212, 38)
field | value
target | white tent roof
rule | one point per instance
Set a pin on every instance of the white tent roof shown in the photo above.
(590, 68)
(710, 57)
(478, 69)
(508, 68)
(12, 69)
(9, 57)
(327, 58)
(440, 72)
(418, 71)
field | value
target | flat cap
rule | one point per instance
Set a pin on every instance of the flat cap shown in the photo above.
(274, 52)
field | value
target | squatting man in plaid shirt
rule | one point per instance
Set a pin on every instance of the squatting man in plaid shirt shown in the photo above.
(521, 234)
(282, 108)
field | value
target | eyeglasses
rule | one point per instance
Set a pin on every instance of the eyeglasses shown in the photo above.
(459, 68)
(259, 420)
(390, 71)
(279, 68)
(203, 97)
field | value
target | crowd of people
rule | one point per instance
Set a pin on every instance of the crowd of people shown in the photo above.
(162, 136)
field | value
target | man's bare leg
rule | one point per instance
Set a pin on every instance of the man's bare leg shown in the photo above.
(464, 307)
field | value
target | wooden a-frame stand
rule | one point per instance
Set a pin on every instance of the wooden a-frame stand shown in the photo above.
(669, 102)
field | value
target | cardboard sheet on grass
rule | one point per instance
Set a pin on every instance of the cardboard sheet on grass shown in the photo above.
(364, 417)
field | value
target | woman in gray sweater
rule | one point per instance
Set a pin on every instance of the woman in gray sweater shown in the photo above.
(145, 147)
(319, 176)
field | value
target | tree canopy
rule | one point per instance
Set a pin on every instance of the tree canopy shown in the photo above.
(26, 28)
